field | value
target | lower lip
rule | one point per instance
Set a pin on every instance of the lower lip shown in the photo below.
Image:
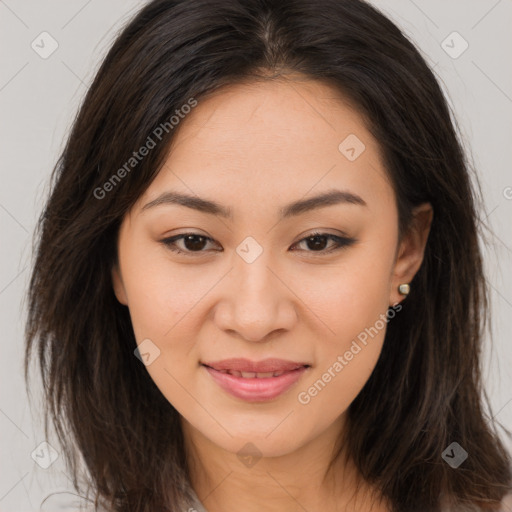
(256, 389)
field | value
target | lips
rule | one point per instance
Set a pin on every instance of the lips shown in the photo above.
(256, 381)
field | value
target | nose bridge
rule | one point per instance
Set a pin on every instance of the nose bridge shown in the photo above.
(251, 265)
(254, 279)
(256, 283)
(259, 303)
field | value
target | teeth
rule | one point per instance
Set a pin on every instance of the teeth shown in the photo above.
(265, 375)
(253, 375)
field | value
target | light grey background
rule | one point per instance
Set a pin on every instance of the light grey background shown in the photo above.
(39, 97)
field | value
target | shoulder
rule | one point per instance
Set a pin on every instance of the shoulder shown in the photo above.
(504, 506)
(195, 505)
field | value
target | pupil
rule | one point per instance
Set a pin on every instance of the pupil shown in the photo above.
(189, 242)
(316, 245)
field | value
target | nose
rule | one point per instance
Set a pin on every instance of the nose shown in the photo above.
(257, 304)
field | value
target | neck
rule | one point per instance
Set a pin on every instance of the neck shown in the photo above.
(297, 480)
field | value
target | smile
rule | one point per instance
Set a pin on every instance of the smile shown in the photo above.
(254, 386)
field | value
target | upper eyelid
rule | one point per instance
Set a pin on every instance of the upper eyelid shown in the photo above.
(313, 233)
(173, 239)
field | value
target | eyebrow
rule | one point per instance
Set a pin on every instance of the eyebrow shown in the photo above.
(328, 198)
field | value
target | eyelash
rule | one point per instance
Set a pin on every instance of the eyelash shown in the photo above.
(341, 242)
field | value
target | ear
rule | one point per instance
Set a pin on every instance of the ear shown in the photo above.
(411, 250)
(118, 285)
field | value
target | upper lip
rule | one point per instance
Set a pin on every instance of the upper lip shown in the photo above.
(246, 365)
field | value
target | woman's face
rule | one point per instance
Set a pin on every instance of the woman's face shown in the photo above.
(251, 284)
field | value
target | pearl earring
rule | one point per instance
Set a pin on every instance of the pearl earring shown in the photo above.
(404, 289)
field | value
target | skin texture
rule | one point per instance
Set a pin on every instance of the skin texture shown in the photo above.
(254, 148)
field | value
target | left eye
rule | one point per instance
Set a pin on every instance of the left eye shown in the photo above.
(319, 240)
(194, 242)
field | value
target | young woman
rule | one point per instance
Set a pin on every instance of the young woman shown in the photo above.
(258, 282)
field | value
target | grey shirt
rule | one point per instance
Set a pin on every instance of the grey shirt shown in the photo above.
(67, 501)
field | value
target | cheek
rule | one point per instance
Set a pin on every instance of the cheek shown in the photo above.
(162, 303)
(160, 294)
(351, 296)
(346, 359)
(353, 304)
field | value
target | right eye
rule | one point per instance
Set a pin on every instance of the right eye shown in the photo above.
(193, 242)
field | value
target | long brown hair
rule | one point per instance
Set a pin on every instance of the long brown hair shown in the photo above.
(426, 390)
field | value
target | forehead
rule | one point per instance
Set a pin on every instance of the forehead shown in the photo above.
(272, 138)
(279, 113)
